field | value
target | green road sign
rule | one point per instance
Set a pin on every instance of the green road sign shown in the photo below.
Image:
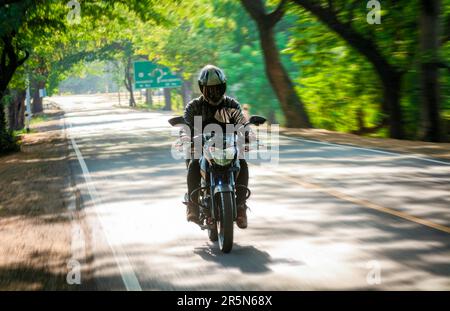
(149, 75)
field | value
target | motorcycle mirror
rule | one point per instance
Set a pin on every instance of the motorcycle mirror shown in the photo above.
(257, 120)
(177, 121)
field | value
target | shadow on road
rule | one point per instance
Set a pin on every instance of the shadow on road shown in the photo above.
(248, 259)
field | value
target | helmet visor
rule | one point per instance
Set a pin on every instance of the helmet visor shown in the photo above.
(214, 93)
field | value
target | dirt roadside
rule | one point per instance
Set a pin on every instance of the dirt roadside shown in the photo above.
(36, 227)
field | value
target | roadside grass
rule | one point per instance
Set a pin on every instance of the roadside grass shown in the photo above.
(35, 120)
(383, 133)
(39, 118)
(17, 135)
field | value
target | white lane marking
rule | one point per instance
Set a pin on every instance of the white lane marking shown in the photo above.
(126, 271)
(78, 242)
(413, 156)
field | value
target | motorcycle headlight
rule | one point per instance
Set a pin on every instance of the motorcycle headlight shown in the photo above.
(222, 157)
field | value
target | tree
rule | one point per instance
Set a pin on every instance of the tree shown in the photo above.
(28, 25)
(248, 82)
(429, 79)
(193, 43)
(339, 17)
(16, 109)
(340, 90)
(13, 54)
(291, 104)
(128, 81)
(12, 14)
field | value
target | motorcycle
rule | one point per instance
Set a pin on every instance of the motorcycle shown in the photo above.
(219, 168)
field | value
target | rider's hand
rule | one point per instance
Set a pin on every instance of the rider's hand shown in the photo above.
(185, 139)
(181, 141)
(251, 136)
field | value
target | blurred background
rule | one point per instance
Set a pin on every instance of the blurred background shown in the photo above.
(377, 68)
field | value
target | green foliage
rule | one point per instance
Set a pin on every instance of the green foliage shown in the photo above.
(248, 82)
(242, 59)
(336, 83)
(8, 143)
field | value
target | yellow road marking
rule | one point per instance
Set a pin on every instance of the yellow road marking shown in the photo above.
(367, 204)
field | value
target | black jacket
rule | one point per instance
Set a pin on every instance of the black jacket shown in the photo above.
(228, 111)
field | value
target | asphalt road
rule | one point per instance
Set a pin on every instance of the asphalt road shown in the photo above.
(326, 217)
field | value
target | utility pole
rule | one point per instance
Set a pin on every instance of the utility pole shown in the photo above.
(28, 103)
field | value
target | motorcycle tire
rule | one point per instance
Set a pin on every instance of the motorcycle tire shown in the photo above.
(225, 223)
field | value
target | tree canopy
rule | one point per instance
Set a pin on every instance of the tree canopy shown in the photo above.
(302, 63)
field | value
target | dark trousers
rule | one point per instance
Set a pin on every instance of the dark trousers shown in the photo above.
(194, 177)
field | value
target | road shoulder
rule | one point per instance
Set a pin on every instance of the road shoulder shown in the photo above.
(439, 151)
(38, 210)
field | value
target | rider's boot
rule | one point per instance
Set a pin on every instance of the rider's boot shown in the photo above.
(192, 212)
(241, 219)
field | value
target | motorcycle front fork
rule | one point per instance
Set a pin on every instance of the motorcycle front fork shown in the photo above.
(231, 180)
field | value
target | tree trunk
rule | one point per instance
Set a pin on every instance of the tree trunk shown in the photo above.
(129, 82)
(148, 97)
(132, 101)
(3, 130)
(8, 68)
(291, 104)
(167, 99)
(429, 45)
(16, 110)
(391, 103)
(37, 106)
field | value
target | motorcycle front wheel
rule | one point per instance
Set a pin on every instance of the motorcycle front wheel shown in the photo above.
(225, 221)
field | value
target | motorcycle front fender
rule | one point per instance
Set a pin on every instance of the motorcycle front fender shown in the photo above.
(222, 188)
(218, 189)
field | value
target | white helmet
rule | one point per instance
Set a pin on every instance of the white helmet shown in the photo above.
(212, 83)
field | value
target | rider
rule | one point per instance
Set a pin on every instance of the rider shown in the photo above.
(215, 107)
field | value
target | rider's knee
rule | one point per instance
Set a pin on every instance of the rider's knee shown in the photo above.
(243, 164)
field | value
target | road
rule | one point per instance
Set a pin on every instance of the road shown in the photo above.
(328, 217)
